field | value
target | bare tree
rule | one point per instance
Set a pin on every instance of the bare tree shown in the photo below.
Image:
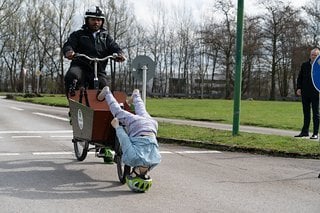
(290, 40)
(251, 53)
(227, 36)
(274, 25)
(312, 10)
(157, 42)
(119, 20)
(9, 10)
(59, 16)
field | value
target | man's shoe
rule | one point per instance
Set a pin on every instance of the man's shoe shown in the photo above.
(314, 137)
(108, 156)
(100, 152)
(301, 135)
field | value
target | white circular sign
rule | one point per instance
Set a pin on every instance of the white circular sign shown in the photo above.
(80, 119)
(138, 63)
(38, 73)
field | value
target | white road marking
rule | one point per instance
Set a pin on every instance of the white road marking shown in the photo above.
(26, 136)
(52, 153)
(60, 136)
(191, 152)
(50, 116)
(36, 131)
(198, 152)
(9, 154)
(16, 108)
(57, 153)
(166, 152)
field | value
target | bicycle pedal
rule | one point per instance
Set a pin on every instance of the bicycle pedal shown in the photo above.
(100, 155)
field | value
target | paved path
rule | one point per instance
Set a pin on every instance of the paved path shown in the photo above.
(220, 126)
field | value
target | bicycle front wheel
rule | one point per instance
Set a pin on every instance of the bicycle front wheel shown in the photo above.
(80, 149)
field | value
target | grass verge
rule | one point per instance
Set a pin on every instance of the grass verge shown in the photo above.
(246, 142)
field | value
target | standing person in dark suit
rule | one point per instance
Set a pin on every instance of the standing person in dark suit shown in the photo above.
(309, 96)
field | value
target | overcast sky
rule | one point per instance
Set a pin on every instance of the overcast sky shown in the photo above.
(143, 8)
(143, 12)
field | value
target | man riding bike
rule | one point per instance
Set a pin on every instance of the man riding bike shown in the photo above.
(94, 41)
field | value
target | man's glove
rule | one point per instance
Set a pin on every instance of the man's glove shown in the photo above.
(120, 57)
(70, 54)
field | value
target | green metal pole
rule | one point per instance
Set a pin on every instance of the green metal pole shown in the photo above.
(238, 79)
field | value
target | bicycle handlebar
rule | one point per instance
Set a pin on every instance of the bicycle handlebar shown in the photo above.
(96, 60)
(113, 56)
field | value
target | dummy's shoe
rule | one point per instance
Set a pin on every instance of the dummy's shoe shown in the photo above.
(315, 137)
(301, 135)
(130, 99)
(136, 91)
(103, 93)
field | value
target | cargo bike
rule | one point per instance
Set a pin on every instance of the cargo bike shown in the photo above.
(91, 122)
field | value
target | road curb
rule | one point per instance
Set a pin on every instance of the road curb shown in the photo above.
(230, 148)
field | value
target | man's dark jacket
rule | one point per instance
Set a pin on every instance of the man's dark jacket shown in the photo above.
(83, 41)
(304, 81)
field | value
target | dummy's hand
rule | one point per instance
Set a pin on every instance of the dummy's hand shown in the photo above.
(120, 58)
(130, 100)
(115, 123)
(70, 54)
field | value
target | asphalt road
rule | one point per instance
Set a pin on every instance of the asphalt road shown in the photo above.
(39, 173)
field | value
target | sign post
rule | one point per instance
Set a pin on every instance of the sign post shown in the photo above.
(238, 71)
(38, 73)
(24, 79)
(143, 69)
(144, 83)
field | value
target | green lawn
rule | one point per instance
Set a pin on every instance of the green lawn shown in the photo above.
(246, 141)
(274, 114)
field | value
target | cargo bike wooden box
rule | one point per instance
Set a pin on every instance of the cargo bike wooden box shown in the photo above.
(92, 130)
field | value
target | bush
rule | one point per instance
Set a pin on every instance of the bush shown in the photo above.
(10, 96)
(32, 95)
